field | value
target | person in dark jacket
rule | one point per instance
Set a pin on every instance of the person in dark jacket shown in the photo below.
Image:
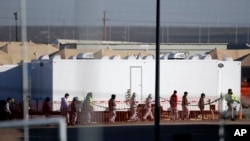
(46, 107)
(201, 105)
(73, 111)
(112, 108)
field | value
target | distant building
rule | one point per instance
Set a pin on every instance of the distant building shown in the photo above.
(186, 48)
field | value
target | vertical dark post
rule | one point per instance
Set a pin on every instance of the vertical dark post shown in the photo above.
(16, 18)
(104, 26)
(157, 75)
(41, 83)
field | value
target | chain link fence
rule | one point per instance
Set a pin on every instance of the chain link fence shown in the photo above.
(172, 33)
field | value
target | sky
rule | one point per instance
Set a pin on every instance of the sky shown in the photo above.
(128, 12)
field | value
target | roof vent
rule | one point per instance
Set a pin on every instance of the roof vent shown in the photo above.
(164, 57)
(44, 57)
(89, 55)
(104, 57)
(116, 57)
(148, 57)
(56, 57)
(194, 57)
(73, 57)
(227, 59)
(206, 57)
(176, 56)
(131, 57)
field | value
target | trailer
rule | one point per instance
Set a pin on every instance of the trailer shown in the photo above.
(11, 82)
(103, 77)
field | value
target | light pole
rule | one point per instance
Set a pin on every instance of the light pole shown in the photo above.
(157, 75)
(16, 14)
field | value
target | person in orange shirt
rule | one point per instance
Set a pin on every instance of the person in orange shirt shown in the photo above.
(173, 106)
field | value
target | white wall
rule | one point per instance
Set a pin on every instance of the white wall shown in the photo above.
(106, 77)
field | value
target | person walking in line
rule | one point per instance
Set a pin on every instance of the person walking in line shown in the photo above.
(78, 110)
(8, 113)
(148, 106)
(185, 111)
(46, 107)
(90, 95)
(65, 107)
(133, 108)
(87, 108)
(73, 111)
(112, 108)
(201, 105)
(173, 106)
(232, 102)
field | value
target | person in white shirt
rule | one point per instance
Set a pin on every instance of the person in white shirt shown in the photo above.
(7, 110)
(133, 108)
(148, 107)
(65, 107)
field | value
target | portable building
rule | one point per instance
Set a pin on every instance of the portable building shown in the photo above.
(54, 78)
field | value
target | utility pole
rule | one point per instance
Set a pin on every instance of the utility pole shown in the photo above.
(16, 14)
(157, 75)
(104, 26)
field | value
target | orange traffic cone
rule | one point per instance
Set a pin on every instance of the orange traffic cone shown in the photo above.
(240, 113)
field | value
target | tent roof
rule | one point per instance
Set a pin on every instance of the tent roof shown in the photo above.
(13, 53)
(34, 51)
(242, 55)
(234, 54)
(245, 62)
(9, 59)
(3, 44)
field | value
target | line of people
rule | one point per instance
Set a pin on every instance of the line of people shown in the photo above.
(71, 111)
(173, 106)
(77, 112)
(148, 107)
(133, 108)
(230, 98)
(10, 110)
(184, 104)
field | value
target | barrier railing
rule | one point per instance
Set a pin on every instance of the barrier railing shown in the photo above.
(100, 113)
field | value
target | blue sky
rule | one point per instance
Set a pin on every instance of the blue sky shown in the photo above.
(128, 12)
